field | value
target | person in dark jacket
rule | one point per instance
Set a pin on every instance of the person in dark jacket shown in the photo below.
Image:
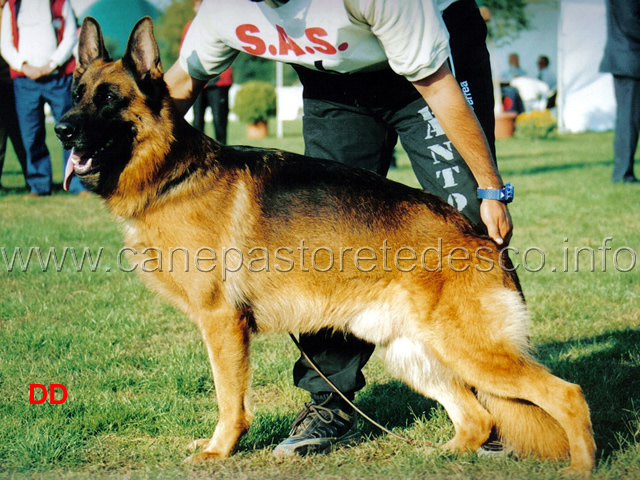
(9, 128)
(622, 59)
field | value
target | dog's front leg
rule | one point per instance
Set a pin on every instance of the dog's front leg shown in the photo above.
(226, 335)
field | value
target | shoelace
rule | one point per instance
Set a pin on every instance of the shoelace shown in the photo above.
(311, 409)
(356, 409)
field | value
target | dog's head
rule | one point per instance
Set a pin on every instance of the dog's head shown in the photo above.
(115, 105)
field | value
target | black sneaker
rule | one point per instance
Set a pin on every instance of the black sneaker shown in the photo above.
(317, 428)
(492, 448)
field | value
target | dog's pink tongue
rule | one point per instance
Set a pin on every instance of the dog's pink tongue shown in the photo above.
(74, 159)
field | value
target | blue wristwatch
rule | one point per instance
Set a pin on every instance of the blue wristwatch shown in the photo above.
(503, 194)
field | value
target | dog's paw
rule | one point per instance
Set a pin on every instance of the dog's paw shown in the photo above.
(203, 457)
(572, 472)
(196, 444)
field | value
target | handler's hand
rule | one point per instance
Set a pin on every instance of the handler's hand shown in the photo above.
(496, 217)
(34, 73)
(47, 69)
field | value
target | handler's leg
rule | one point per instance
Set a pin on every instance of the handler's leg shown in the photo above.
(350, 135)
(439, 167)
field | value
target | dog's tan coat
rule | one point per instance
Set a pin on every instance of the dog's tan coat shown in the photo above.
(458, 337)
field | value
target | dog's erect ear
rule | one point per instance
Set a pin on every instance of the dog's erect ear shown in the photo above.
(91, 44)
(142, 56)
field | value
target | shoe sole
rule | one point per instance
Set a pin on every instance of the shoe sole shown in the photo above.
(314, 446)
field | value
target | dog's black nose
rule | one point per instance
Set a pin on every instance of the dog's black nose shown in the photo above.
(65, 131)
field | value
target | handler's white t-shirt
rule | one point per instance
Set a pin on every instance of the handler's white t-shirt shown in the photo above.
(343, 36)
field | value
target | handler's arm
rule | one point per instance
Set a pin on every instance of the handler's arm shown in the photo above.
(183, 88)
(443, 95)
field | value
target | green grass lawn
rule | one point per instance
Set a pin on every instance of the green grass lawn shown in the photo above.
(138, 380)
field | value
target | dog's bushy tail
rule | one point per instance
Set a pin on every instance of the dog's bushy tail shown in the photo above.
(525, 428)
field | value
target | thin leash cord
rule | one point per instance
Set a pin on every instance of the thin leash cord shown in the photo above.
(349, 402)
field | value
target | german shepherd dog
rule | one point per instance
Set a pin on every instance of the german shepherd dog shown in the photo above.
(294, 244)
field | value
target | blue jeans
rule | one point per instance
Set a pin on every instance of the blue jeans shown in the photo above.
(31, 95)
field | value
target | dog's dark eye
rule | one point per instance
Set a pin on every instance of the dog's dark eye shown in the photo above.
(105, 95)
(77, 93)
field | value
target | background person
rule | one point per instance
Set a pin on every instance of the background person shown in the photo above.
(9, 128)
(622, 59)
(214, 95)
(514, 70)
(548, 76)
(37, 41)
(485, 12)
(545, 73)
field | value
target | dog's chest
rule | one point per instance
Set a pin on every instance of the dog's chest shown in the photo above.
(172, 259)
(137, 238)
(147, 251)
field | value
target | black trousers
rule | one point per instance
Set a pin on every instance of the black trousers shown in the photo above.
(9, 128)
(357, 119)
(217, 98)
(627, 92)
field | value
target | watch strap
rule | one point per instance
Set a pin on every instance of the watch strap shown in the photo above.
(501, 194)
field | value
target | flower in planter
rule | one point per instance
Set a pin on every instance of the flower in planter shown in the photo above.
(539, 124)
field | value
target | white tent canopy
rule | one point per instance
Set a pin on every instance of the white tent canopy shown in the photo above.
(572, 33)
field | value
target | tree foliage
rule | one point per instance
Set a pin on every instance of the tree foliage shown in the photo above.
(508, 19)
(169, 28)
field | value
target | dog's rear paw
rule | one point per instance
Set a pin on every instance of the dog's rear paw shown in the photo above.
(203, 457)
(196, 444)
(572, 472)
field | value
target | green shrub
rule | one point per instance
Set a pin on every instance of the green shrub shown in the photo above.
(255, 102)
(536, 125)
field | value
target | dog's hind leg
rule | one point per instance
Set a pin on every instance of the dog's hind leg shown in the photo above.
(484, 341)
(533, 432)
(226, 334)
(410, 361)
